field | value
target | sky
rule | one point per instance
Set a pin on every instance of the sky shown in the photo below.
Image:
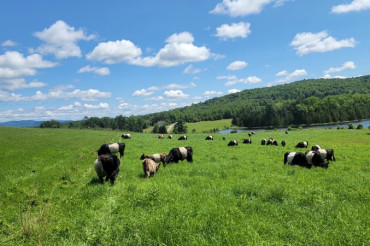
(65, 60)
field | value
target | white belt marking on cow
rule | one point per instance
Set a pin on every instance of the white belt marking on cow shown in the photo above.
(184, 152)
(309, 156)
(290, 157)
(323, 153)
(114, 148)
(157, 157)
(99, 168)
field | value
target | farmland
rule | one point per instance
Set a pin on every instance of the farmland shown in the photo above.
(242, 195)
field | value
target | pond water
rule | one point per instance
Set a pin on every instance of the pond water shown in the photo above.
(365, 123)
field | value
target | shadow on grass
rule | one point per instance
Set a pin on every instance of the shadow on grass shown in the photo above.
(95, 181)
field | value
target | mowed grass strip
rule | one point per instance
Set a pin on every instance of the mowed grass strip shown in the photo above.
(241, 195)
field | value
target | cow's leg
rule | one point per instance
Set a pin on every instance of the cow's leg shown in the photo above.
(101, 179)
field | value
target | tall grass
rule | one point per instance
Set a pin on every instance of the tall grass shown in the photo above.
(242, 195)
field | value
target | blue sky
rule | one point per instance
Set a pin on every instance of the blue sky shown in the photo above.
(69, 59)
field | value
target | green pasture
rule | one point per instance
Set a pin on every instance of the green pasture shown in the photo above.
(242, 195)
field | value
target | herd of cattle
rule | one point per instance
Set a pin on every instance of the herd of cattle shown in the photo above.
(108, 164)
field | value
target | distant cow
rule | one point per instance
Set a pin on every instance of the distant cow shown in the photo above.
(283, 143)
(209, 138)
(184, 137)
(169, 136)
(272, 141)
(247, 141)
(296, 158)
(302, 144)
(126, 136)
(107, 165)
(180, 154)
(150, 167)
(112, 148)
(314, 158)
(161, 157)
(263, 141)
(223, 138)
(233, 143)
(160, 136)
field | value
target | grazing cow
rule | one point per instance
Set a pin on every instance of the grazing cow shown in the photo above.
(180, 154)
(302, 144)
(169, 136)
(158, 158)
(150, 167)
(209, 138)
(327, 154)
(160, 136)
(126, 136)
(107, 165)
(247, 141)
(112, 148)
(314, 158)
(296, 158)
(283, 143)
(184, 137)
(233, 143)
(249, 134)
(263, 141)
(272, 141)
(223, 138)
(315, 147)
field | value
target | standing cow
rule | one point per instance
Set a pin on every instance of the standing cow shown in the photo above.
(296, 158)
(233, 143)
(283, 143)
(314, 158)
(160, 136)
(184, 137)
(158, 158)
(247, 141)
(150, 167)
(126, 136)
(107, 165)
(327, 154)
(272, 141)
(180, 154)
(263, 141)
(209, 138)
(302, 144)
(112, 148)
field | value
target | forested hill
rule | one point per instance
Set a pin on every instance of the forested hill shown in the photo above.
(302, 102)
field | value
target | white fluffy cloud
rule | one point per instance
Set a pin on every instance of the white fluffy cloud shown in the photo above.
(346, 65)
(8, 43)
(142, 92)
(307, 42)
(175, 94)
(236, 65)
(235, 30)
(98, 70)
(355, 5)
(233, 80)
(290, 76)
(237, 8)
(180, 86)
(233, 91)
(179, 49)
(209, 94)
(98, 106)
(61, 40)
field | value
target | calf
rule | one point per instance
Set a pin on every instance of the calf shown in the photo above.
(247, 141)
(107, 165)
(150, 167)
(296, 158)
(158, 158)
(112, 148)
(302, 145)
(233, 143)
(180, 154)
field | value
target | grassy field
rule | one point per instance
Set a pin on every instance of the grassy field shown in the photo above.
(241, 195)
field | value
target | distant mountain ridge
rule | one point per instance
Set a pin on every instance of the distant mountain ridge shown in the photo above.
(26, 123)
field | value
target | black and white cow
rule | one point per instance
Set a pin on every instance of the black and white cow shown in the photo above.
(112, 148)
(209, 138)
(180, 154)
(107, 165)
(296, 158)
(183, 137)
(302, 144)
(169, 136)
(315, 147)
(272, 141)
(158, 158)
(247, 141)
(160, 136)
(327, 154)
(314, 158)
(233, 143)
(283, 143)
(263, 141)
(126, 136)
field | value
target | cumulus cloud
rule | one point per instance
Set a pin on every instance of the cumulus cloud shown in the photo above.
(235, 30)
(355, 5)
(60, 39)
(98, 70)
(8, 43)
(290, 76)
(180, 86)
(236, 65)
(236, 8)
(142, 92)
(179, 49)
(98, 106)
(233, 91)
(175, 94)
(192, 70)
(233, 80)
(346, 65)
(209, 94)
(307, 42)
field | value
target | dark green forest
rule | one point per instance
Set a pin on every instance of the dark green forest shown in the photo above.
(305, 102)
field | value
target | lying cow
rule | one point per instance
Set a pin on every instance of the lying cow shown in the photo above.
(107, 165)
(126, 136)
(314, 158)
(247, 141)
(296, 158)
(233, 143)
(112, 148)
(180, 154)
(150, 167)
(158, 158)
(183, 137)
(302, 144)
(209, 138)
